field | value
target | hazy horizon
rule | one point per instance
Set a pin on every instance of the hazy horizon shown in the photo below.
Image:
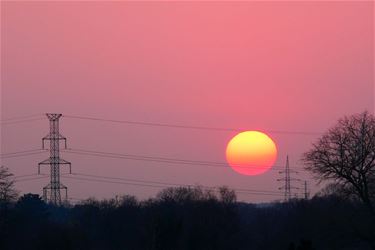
(279, 67)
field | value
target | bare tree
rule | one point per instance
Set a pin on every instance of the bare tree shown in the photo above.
(346, 155)
(227, 196)
(7, 189)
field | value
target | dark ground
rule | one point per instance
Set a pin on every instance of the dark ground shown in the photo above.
(185, 218)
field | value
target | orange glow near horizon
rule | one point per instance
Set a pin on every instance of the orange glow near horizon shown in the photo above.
(251, 153)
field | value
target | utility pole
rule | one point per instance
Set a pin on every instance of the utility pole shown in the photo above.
(307, 193)
(51, 192)
(287, 187)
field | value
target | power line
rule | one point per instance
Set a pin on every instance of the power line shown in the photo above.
(20, 155)
(147, 159)
(31, 179)
(21, 117)
(161, 159)
(115, 182)
(21, 121)
(167, 183)
(25, 175)
(24, 151)
(160, 186)
(168, 125)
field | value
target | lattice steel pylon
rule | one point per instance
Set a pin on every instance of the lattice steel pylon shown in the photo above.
(287, 187)
(51, 192)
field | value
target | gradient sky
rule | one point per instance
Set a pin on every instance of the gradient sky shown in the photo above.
(287, 66)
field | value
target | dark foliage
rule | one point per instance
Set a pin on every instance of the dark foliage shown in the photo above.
(185, 218)
(7, 189)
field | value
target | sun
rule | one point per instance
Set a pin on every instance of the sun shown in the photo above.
(251, 153)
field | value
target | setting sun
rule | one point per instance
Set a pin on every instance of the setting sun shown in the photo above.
(251, 153)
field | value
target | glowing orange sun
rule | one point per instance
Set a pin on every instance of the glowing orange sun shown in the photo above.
(251, 153)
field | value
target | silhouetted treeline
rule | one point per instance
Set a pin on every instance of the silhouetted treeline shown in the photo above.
(185, 218)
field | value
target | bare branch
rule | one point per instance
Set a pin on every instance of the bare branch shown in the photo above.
(346, 155)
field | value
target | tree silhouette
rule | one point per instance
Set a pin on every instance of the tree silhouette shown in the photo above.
(182, 218)
(227, 196)
(346, 154)
(7, 189)
(8, 194)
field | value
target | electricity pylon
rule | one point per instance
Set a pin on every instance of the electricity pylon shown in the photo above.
(51, 192)
(287, 187)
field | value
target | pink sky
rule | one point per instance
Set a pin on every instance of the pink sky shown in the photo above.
(293, 66)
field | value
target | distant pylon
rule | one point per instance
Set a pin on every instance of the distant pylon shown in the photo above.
(287, 187)
(51, 192)
(307, 193)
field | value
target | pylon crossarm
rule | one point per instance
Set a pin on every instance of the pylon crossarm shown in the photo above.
(64, 162)
(45, 162)
(49, 137)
